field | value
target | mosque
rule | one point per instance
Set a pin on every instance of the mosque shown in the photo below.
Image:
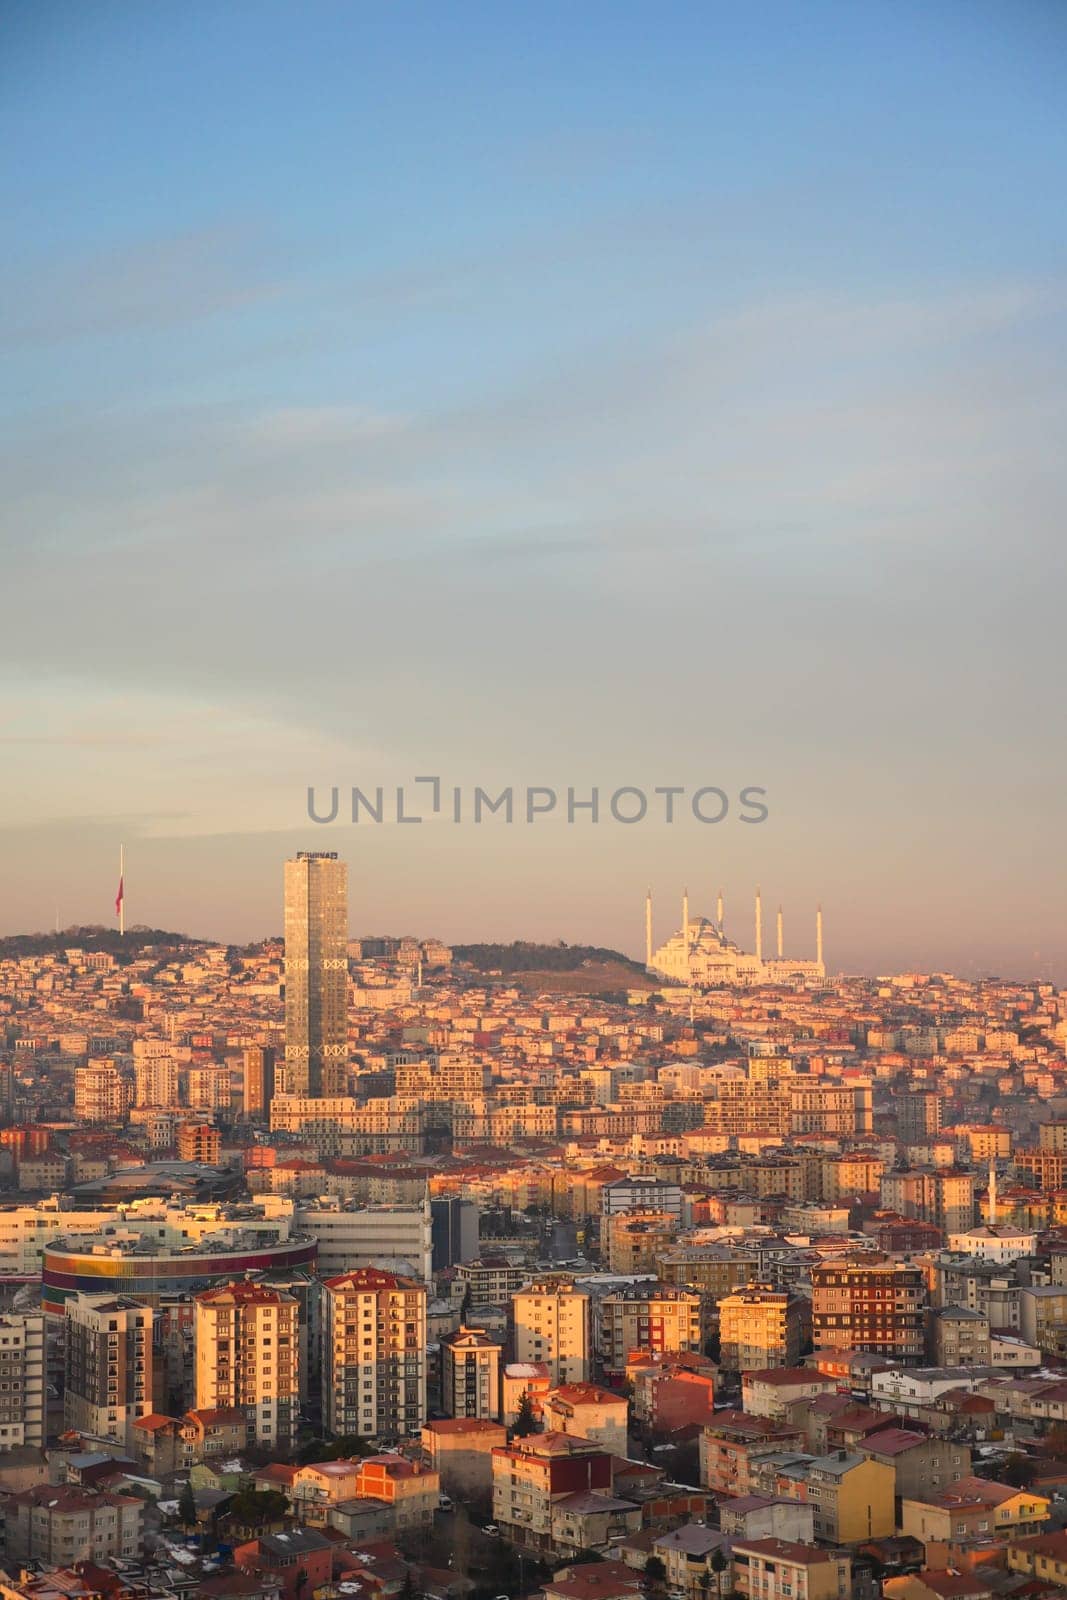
(700, 955)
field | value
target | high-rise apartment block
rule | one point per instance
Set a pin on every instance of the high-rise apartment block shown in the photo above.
(316, 974)
(470, 1375)
(107, 1365)
(100, 1093)
(551, 1323)
(247, 1341)
(22, 1394)
(373, 1354)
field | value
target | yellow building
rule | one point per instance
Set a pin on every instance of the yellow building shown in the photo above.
(853, 1498)
(761, 1326)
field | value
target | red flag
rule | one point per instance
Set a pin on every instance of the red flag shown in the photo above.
(118, 899)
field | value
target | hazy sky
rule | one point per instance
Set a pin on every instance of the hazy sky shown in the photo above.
(539, 394)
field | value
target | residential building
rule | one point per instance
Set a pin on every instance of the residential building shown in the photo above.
(770, 1393)
(258, 1085)
(460, 1450)
(551, 1325)
(590, 1412)
(870, 1303)
(761, 1326)
(779, 1569)
(470, 1375)
(59, 1524)
(22, 1379)
(373, 1354)
(650, 1316)
(108, 1363)
(246, 1342)
(101, 1094)
(199, 1141)
(852, 1495)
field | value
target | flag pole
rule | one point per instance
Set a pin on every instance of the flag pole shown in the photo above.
(122, 889)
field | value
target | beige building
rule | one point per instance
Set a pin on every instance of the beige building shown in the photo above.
(373, 1354)
(632, 1240)
(460, 1449)
(246, 1340)
(590, 1412)
(650, 1316)
(101, 1095)
(771, 1392)
(59, 1524)
(470, 1375)
(107, 1365)
(22, 1379)
(779, 1569)
(553, 1326)
(761, 1326)
(199, 1141)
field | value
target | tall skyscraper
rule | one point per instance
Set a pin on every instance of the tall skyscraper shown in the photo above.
(316, 974)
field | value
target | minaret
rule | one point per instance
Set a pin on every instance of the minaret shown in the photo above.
(781, 945)
(648, 928)
(818, 935)
(992, 1194)
(759, 926)
(719, 911)
(685, 921)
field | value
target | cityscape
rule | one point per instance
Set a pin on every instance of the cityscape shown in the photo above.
(533, 976)
(338, 1265)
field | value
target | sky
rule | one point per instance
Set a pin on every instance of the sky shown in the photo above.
(566, 396)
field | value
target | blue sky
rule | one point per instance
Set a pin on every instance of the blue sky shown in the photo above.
(555, 394)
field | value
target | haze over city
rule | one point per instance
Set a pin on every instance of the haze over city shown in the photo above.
(555, 396)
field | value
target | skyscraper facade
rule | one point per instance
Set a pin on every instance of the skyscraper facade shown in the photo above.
(316, 974)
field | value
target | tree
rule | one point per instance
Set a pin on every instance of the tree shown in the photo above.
(408, 1591)
(655, 1570)
(718, 1564)
(257, 1508)
(187, 1505)
(525, 1421)
(1018, 1471)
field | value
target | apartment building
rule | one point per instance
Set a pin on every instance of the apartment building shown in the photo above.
(870, 1304)
(590, 1412)
(101, 1094)
(373, 1354)
(532, 1476)
(470, 1375)
(551, 1324)
(107, 1365)
(246, 1340)
(851, 1495)
(761, 1326)
(22, 1379)
(650, 1316)
(199, 1141)
(59, 1524)
(778, 1569)
(632, 1242)
(491, 1279)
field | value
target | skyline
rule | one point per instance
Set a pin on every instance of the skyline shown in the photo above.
(551, 398)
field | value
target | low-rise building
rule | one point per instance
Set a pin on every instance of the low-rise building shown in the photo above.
(780, 1569)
